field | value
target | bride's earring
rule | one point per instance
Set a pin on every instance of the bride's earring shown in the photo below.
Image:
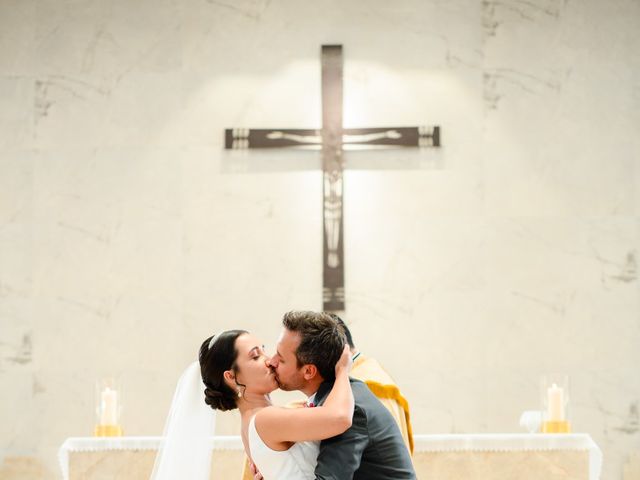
(239, 393)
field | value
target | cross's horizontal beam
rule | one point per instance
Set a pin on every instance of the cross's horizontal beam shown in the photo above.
(244, 138)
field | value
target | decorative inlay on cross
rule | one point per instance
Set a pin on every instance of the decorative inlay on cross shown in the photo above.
(332, 139)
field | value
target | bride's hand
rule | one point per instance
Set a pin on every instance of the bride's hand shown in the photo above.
(256, 473)
(345, 361)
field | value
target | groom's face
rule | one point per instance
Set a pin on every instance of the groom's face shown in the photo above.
(285, 362)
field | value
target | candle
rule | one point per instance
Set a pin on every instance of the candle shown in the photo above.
(555, 404)
(109, 407)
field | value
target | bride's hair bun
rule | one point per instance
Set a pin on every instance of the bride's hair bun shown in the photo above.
(220, 400)
(217, 355)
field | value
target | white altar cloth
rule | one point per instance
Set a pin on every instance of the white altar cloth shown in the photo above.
(512, 442)
(423, 443)
(95, 444)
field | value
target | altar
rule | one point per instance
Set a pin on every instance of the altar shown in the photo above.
(445, 457)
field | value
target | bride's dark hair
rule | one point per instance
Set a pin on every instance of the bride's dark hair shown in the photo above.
(218, 354)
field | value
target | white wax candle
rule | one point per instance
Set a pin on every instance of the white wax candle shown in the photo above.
(555, 404)
(109, 407)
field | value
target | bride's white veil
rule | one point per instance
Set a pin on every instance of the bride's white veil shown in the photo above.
(186, 447)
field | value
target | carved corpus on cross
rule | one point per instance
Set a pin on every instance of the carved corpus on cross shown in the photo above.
(332, 139)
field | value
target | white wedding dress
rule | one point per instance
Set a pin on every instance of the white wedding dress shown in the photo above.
(297, 463)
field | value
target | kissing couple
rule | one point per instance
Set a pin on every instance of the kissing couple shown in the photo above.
(348, 435)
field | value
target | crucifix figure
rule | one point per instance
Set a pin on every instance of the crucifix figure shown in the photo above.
(332, 139)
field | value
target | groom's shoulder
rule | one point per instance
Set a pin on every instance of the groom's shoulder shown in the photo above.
(357, 384)
(362, 395)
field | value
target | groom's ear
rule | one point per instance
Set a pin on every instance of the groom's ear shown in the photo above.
(309, 371)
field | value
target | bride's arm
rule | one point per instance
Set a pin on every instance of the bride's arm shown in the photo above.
(278, 425)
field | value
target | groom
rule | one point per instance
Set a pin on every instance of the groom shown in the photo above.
(372, 449)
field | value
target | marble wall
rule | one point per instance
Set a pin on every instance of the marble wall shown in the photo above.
(127, 234)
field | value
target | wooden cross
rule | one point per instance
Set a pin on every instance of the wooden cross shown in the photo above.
(332, 139)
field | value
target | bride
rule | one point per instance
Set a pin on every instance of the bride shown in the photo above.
(282, 442)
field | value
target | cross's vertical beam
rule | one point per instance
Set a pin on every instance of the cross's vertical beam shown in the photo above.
(332, 167)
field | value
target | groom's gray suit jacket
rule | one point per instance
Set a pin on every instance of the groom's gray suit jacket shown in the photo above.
(372, 449)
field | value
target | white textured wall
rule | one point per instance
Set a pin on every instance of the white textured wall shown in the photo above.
(127, 234)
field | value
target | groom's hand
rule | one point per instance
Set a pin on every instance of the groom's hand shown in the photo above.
(256, 474)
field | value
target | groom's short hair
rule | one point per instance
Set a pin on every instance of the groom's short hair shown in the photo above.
(322, 340)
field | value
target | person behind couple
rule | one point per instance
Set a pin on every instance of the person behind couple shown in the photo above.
(370, 371)
(281, 442)
(372, 448)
